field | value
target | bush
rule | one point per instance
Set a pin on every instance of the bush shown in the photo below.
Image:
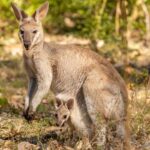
(87, 18)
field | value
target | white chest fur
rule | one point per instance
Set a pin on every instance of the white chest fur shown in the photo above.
(30, 63)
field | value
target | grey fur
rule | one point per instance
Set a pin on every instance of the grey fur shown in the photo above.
(65, 69)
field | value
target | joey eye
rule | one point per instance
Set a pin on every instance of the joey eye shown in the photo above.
(21, 32)
(56, 115)
(35, 31)
(65, 116)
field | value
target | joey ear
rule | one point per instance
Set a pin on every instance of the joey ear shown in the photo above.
(58, 103)
(70, 103)
(41, 12)
(20, 14)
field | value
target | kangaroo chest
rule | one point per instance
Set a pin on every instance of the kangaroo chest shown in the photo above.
(30, 64)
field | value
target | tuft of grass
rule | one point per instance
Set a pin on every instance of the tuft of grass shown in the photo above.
(3, 101)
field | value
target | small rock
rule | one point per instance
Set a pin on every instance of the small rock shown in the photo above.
(69, 22)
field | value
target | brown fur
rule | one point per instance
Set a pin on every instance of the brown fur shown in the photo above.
(71, 112)
(67, 69)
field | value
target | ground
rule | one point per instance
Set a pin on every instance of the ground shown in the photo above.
(16, 132)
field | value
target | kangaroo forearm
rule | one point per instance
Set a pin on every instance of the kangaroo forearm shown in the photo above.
(32, 87)
(43, 80)
(41, 91)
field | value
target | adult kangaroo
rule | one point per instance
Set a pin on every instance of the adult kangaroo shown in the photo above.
(66, 69)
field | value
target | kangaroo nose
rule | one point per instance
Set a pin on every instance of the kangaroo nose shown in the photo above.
(27, 44)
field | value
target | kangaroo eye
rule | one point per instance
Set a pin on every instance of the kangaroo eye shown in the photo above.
(65, 116)
(56, 115)
(21, 32)
(35, 31)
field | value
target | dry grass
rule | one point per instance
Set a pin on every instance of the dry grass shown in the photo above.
(16, 132)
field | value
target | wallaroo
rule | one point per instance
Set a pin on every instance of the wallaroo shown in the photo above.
(70, 112)
(71, 71)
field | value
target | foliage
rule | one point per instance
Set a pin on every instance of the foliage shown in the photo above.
(86, 15)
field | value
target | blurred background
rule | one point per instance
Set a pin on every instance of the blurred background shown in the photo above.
(117, 29)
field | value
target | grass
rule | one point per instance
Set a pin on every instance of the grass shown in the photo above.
(14, 129)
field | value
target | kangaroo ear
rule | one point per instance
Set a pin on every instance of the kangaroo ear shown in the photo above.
(41, 12)
(70, 103)
(20, 14)
(58, 103)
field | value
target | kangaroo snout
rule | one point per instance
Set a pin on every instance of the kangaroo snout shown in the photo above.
(27, 44)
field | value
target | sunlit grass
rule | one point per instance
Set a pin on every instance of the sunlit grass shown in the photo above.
(14, 128)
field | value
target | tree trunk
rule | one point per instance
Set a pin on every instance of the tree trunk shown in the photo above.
(117, 18)
(98, 13)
